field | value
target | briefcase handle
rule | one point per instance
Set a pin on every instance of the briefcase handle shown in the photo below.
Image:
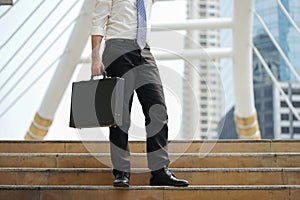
(104, 73)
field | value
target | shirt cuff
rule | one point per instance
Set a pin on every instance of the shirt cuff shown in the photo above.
(95, 30)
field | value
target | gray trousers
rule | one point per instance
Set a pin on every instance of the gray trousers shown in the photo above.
(123, 58)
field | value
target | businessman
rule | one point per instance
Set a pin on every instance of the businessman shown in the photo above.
(125, 25)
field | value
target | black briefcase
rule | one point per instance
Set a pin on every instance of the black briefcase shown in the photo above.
(97, 103)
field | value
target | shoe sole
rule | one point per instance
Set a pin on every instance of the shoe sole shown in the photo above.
(123, 184)
(183, 185)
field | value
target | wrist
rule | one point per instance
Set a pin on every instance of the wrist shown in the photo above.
(95, 55)
(96, 59)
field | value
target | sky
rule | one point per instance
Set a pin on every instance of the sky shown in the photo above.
(15, 122)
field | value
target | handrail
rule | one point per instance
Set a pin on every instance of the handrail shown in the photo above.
(198, 24)
(28, 38)
(23, 23)
(277, 46)
(15, 3)
(30, 85)
(269, 72)
(34, 49)
(288, 16)
(36, 61)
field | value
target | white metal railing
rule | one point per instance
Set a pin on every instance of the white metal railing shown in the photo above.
(281, 52)
(206, 53)
(34, 49)
(194, 24)
(3, 14)
(27, 89)
(22, 24)
(276, 83)
(191, 24)
(14, 54)
(288, 16)
(35, 62)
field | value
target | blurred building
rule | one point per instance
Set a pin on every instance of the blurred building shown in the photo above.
(204, 78)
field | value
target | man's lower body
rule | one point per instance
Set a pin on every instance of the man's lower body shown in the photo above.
(123, 58)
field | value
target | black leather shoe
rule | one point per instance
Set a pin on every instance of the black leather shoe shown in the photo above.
(121, 178)
(165, 177)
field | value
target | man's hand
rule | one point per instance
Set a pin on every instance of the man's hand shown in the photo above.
(97, 67)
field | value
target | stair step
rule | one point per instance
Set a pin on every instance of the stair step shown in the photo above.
(203, 146)
(187, 160)
(289, 192)
(217, 176)
(224, 169)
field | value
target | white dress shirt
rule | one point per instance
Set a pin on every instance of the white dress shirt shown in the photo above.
(118, 18)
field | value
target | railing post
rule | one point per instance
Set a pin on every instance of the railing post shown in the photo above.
(77, 41)
(245, 113)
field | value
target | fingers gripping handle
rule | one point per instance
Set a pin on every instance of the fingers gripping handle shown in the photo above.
(103, 72)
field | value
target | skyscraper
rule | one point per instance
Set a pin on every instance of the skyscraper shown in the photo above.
(205, 79)
(286, 36)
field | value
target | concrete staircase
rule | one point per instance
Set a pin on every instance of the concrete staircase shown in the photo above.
(215, 169)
